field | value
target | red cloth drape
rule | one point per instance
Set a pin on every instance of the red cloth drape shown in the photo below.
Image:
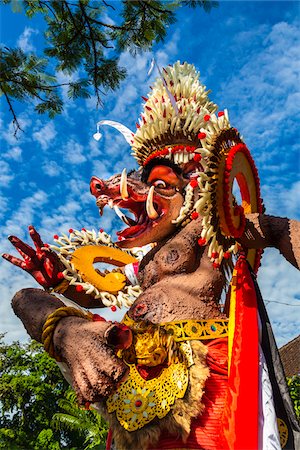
(240, 419)
(205, 430)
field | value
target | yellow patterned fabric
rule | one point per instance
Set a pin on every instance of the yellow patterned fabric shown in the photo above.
(185, 330)
(137, 401)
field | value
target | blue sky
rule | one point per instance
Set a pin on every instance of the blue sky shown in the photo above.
(247, 54)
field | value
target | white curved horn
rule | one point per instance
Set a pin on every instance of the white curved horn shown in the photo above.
(151, 211)
(123, 185)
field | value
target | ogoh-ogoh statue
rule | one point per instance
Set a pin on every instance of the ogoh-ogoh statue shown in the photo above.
(181, 371)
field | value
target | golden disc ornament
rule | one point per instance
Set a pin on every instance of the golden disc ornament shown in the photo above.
(85, 257)
(80, 251)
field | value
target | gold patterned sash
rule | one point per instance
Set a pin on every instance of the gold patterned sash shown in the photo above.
(186, 330)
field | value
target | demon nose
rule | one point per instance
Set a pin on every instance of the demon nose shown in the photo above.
(96, 186)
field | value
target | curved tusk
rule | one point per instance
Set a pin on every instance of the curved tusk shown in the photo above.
(121, 215)
(123, 185)
(151, 211)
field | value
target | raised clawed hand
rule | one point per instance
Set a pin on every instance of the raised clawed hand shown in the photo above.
(42, 263)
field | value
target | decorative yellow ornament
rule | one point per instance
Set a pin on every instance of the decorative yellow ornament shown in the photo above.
(186, 330)
(79, 251)
(137, 401)
(283, 432)
(84, 257)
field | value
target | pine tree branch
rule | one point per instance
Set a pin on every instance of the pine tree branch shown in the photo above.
(108, 5)
(45, 4)
(78, 33)
(16, 123)
(149, 5)
(108, 25)
(66, 4)
(72, 39)
(95, 69)
(42, 87)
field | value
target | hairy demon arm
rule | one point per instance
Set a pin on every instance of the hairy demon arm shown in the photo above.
(33, 306)
(269, 231)
(87, 347)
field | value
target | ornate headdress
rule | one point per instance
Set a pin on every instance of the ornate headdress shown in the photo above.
(179, 123)
(176, 108)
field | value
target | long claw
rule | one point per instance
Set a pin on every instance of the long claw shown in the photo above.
(151, 211)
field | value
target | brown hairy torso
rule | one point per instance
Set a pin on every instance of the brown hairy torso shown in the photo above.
(179, 281)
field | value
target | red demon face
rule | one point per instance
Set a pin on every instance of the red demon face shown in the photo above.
(154, 195)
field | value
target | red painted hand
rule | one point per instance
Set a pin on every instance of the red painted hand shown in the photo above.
(42, 263)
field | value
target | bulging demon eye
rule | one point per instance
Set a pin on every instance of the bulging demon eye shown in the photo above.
(159, 184)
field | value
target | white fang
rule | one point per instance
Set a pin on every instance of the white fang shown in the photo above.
(121, 215)
(152, 213)
(123, 185)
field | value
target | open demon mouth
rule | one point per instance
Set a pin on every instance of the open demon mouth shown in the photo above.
(147, 214)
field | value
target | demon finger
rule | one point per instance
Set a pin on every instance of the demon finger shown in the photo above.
(25, 250)
(36, 240)
(15, 261)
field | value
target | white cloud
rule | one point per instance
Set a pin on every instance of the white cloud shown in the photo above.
(91, 103)
(267, 85)
(25, 213)
(64, 79)
(94, 148)
(14, 153)
(6, 174)
(100, 170)
(3, 206)
(127, 97)
(73, 152)
(281, 200)
(7, 133)
(15, 279)
(24, 41)
(77, 187)
(69, 208)
(279, 282)
(51, 168)
(45, 135)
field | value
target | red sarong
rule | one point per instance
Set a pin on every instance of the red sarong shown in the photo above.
(206, 430)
